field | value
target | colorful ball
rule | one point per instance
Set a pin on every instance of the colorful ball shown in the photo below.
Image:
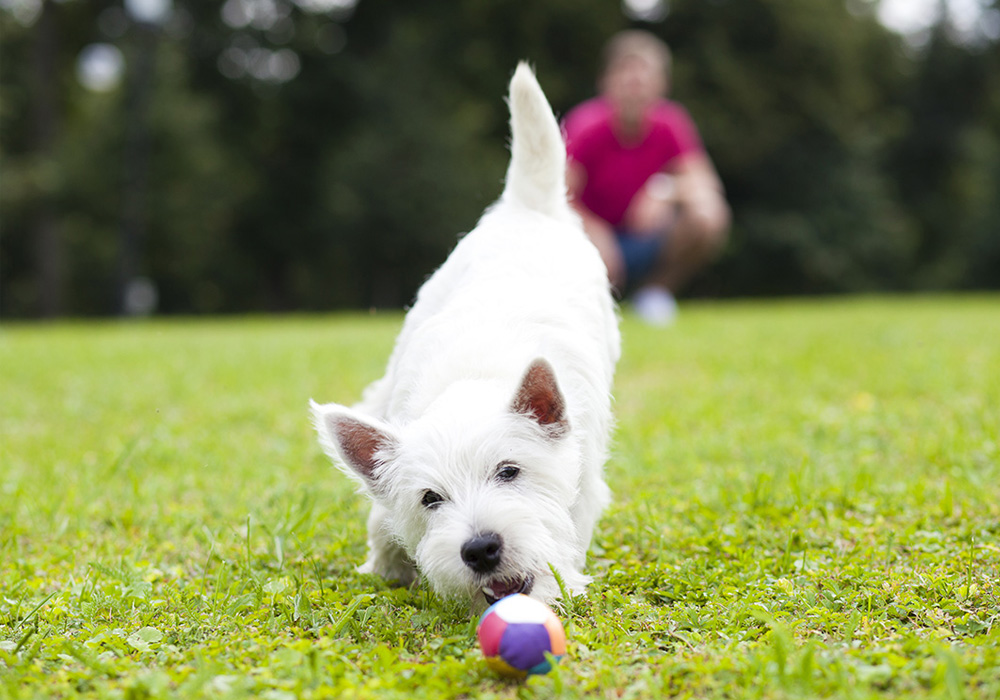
(516, 632)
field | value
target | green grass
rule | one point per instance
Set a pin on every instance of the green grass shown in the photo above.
(807, 504)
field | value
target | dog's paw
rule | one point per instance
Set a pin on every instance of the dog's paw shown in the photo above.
(396, 568)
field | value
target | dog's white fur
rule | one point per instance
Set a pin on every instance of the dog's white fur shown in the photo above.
(506, 359)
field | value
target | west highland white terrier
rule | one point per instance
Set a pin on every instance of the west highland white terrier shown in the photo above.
(483, 446)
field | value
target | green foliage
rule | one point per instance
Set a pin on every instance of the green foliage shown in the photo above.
(852, 161)
(806, 505)
(947, 164)
(797, 102)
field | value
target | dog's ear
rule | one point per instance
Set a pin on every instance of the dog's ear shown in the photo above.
(360, 443)
(539, 398)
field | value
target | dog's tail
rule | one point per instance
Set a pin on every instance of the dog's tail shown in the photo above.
(536, 177)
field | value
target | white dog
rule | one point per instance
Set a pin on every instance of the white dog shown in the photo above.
(483, 446)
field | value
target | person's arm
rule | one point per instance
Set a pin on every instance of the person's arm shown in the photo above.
(699, 190)
(697, 171)
(597, 229)
(576, 178)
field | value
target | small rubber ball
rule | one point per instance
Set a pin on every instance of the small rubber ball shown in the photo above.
(516, 632)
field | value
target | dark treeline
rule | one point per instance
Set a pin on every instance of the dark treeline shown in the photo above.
(320, 154)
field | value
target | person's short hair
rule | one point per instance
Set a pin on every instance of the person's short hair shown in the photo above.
(636, 42)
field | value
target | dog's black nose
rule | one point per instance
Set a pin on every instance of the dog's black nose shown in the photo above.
(482, 552)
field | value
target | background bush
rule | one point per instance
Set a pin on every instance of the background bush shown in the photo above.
(854, 161)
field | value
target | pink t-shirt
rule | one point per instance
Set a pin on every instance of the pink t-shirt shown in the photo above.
(617, 171)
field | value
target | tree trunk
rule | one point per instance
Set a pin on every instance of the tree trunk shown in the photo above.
(49, 256)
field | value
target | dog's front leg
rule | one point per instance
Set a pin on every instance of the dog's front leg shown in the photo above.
(385, 557)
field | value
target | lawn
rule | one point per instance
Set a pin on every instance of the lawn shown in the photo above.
(807, 504)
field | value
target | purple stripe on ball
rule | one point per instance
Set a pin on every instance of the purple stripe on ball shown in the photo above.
(524, 645)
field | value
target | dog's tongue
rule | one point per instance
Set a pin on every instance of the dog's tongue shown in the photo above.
(502, 589)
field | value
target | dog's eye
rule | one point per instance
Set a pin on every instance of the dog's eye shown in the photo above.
(431, 499)
(507, 472)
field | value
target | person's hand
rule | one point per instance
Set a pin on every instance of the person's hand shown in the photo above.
(653, 209)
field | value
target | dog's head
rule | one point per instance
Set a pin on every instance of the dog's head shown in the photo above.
(478, 488)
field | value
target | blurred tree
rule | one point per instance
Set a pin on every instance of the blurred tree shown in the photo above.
(947, 164)
(273, 72)
(32, 75)
(797, 104)
(45, 116)
(426, 155)
(983, 250)
(316, 154)
(193, 184)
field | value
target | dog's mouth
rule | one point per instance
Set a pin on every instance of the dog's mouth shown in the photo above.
(497, 589)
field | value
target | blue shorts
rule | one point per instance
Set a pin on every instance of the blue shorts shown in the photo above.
(639, 254)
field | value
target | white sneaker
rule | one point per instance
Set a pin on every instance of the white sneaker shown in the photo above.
(655, 305)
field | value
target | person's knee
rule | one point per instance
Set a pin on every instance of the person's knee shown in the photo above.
(616, 269)
(707, 228)
(715, 231)
(604, 240)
